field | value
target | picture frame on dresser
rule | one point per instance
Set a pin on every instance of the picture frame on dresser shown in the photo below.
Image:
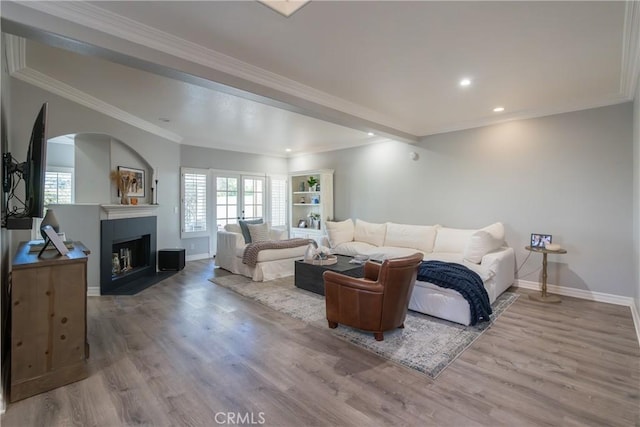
(53, 238)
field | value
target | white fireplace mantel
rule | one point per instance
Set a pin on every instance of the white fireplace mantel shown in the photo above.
(127, 211)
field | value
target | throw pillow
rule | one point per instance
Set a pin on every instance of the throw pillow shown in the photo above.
(258, 232)
(245, 231)
(419, 237)
(339, 232)
(369, 232)
(452, 240)
(483, 241)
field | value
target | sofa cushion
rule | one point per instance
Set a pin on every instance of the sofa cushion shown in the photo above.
(380, 253)
(339, 232)
(352, 248)
(421, 237)
(233, 228)
(369, 232)
(452, 240)
(245, 230)
(259, 232)
(483, 241)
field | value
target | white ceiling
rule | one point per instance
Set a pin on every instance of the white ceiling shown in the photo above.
(392, 66)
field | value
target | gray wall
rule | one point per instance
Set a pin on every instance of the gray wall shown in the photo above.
(570, 175)
(206, 158)
(92, 168)
(66, 117)
(60, 155)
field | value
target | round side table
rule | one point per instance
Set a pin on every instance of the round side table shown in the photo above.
(544, 297)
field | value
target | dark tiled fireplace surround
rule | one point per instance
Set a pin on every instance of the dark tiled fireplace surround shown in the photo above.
(138, 236)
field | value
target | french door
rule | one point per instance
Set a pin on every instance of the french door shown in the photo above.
(238, 197)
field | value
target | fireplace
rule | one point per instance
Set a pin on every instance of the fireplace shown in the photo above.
(127, 255)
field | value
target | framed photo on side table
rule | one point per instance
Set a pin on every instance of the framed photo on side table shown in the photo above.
(540, 240)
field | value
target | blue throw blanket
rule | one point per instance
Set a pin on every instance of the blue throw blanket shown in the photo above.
(460, 278)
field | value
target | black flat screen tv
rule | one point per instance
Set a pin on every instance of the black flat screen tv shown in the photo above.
(37, 166)
(32, 171)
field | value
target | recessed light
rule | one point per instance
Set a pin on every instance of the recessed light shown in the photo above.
(498, 109)
(288, 150)
(465, 82)
(371, 134)
(164, 120)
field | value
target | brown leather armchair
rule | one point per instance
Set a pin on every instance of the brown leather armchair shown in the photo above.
(376, 303)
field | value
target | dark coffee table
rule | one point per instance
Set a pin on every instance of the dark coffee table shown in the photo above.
(309, 276)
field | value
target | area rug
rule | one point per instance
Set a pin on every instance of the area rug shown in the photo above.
(426, 344)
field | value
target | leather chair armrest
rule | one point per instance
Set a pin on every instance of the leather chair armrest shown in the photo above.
(372, 270)
(352, 282)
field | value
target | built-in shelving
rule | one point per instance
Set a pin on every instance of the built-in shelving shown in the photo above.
(310, 206)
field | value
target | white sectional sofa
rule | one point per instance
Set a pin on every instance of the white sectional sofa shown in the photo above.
(272, 263)
(482, 251)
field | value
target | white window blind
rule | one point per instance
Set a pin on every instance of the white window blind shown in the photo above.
(278, 202)
(58, 187)
(194, 202)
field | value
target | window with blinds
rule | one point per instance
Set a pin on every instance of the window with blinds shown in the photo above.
(194, 202)
(278, 202)
(58, 187)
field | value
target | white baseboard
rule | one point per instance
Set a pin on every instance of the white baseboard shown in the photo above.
(636, 319)
(93, 291)
(588, 295)
(197, 257)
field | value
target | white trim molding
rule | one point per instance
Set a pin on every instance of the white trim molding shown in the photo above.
(588, 295)
(16, 52)
(128, 211)
(630, 67)
(93, 291)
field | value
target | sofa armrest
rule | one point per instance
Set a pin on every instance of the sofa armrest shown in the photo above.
(227, 244)
(372, 270)
(502, 263)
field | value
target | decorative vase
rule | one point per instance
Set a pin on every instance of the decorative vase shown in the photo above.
(49, 219)
(309, 253)
(124, 199)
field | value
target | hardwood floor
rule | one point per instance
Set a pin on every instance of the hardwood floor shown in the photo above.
(188, 352)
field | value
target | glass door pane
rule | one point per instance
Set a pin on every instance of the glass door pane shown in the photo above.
(253, 197)
(227, 209)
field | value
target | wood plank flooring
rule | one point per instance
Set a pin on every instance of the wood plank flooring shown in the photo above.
(186, 352)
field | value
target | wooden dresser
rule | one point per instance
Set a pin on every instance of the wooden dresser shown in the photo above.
(49, 344)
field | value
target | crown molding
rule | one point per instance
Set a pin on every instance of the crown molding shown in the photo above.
(530, 114)
(630, 68)
(96, 18)
(16, 52)
(59, 88)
